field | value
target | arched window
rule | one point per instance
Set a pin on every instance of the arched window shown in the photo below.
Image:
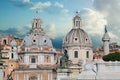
(77, 23)
(4, 42)
(12, 55)
(36, 24)
(47, 59)
(75, 54)
(33, 60)
(87, 54)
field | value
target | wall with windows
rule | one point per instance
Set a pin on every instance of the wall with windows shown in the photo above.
(37, 59)
(76, 54)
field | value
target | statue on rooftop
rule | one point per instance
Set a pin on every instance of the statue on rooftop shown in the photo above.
(64, 60)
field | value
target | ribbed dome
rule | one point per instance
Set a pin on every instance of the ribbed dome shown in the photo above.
(37, 40)
(37, 37)
(77, 37)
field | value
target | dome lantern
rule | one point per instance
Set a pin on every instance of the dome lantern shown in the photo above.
(76, 21)
(36, 25)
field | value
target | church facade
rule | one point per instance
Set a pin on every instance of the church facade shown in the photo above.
(36, 59)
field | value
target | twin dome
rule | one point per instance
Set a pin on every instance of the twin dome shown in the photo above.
(76, 37)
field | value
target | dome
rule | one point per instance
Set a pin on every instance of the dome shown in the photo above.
(77, 37)
(36, 37)
(13, 43)
(36, 40)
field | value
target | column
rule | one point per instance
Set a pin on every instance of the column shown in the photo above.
(52, 59)
(39, 76)
(26, 76)
(51, 75)
(38, 59)
(41, 59)
(15, 78)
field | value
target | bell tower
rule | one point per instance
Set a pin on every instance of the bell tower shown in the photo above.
(13, 57)
(13, 53)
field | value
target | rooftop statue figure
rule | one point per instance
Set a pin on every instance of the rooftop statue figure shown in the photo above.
(64, 60)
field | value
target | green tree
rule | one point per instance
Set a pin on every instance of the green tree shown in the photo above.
(112, 57)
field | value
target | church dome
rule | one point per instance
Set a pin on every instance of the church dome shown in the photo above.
(37, 37)
(13, 43)
(77, 36)
(37, 40)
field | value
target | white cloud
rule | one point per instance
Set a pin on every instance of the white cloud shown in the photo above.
(61, 6)
(113, 35)
(41, 5)
(21, 3)
(51, 30)
(111, 10)
(92, 21)
(26, 1)
(65, 11)
(57, 4)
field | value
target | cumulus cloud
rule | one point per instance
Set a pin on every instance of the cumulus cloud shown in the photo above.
(61, 6)
(111, 10)
(93, 21)
(51, 30)
(16, 31)
(41, 6)
(65, 11)
(57, 4)
(21, 3)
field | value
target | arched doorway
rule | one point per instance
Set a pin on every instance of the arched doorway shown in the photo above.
(33, 78)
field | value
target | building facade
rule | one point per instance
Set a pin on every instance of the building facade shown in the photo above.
(78, 46)
(36, 59)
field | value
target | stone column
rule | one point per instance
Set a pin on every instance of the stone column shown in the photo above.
(15, 78)
(39, 76)
(26, 76)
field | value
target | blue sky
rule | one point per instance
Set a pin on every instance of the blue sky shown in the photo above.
(13, 12)
(57, 15)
